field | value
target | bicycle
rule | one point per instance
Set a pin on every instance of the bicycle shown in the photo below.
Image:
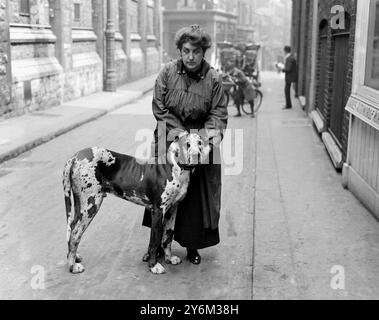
(230, 85)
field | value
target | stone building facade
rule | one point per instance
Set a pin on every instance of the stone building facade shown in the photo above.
(323, 38)
(54, 51)
(224, 20)
(272, 24)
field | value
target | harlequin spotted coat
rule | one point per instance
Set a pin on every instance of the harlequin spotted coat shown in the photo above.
(93, 173)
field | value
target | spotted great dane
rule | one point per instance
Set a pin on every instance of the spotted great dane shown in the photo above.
(93, 173)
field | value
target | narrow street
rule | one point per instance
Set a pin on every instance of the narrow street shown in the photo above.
(33, 226)
(285, 223)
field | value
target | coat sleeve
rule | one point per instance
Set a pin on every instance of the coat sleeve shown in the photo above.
(217, 120)
(174, 125)
(290, 64)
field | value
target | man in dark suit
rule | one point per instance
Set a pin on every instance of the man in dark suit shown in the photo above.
(290, 69)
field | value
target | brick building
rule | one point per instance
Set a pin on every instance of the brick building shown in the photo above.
(55, 51)
(337, 44)
(323, 39)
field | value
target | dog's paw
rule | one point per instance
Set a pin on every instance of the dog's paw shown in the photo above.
(77, 268)
(174, 260)
(146, 257)
(158, 269)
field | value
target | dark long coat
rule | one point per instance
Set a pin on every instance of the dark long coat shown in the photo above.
(184, 101)
(290, 69)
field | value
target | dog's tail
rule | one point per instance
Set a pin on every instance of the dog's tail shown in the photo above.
(67, 189)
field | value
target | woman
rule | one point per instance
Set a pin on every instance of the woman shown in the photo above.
(189, 95)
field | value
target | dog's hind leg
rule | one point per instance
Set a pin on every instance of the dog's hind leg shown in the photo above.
(168, 234)
(85, 211)
(67, 188)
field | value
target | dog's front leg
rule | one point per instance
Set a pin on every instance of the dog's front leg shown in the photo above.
(168, 235)
(155, 241)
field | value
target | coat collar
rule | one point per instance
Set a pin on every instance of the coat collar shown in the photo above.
(180, 69)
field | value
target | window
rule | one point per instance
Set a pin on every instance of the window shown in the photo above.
(150, 20)
(24, 7)
(77, 11)
(372, 71)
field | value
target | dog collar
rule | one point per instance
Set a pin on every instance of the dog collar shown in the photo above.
(186, 167)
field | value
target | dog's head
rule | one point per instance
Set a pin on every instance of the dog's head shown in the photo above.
(186, 151)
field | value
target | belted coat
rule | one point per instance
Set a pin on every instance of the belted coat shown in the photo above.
(183, 101)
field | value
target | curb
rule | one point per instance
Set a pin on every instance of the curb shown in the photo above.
(46, 138)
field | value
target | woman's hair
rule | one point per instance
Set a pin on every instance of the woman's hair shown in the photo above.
(194, 35)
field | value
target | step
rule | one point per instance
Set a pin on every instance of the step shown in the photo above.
(334, 151)
(317, 120)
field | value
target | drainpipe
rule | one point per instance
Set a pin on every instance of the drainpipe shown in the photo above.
(110, 70)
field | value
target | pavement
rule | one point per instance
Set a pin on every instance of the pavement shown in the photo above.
(312, 239)
(23, 133)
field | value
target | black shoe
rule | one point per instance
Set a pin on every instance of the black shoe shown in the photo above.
(193, 256)
(286, 108)
(238, 115)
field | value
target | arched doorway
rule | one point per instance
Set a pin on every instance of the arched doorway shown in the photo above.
(322, 65)
(339, 97)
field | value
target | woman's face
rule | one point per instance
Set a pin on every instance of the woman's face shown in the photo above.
(192, 56)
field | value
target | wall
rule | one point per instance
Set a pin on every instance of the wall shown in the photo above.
(303, 34)
(325, 14)
(361, 174)
(86, 75)
(56, 51)
(36, 72)
(5, 72)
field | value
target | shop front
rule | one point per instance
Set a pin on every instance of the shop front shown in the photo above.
(361, 170)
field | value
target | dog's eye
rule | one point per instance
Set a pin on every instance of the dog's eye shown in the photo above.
(188, 145)
(200, 143)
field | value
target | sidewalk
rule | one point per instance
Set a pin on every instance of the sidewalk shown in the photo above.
(312, 238)
(20, 134)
